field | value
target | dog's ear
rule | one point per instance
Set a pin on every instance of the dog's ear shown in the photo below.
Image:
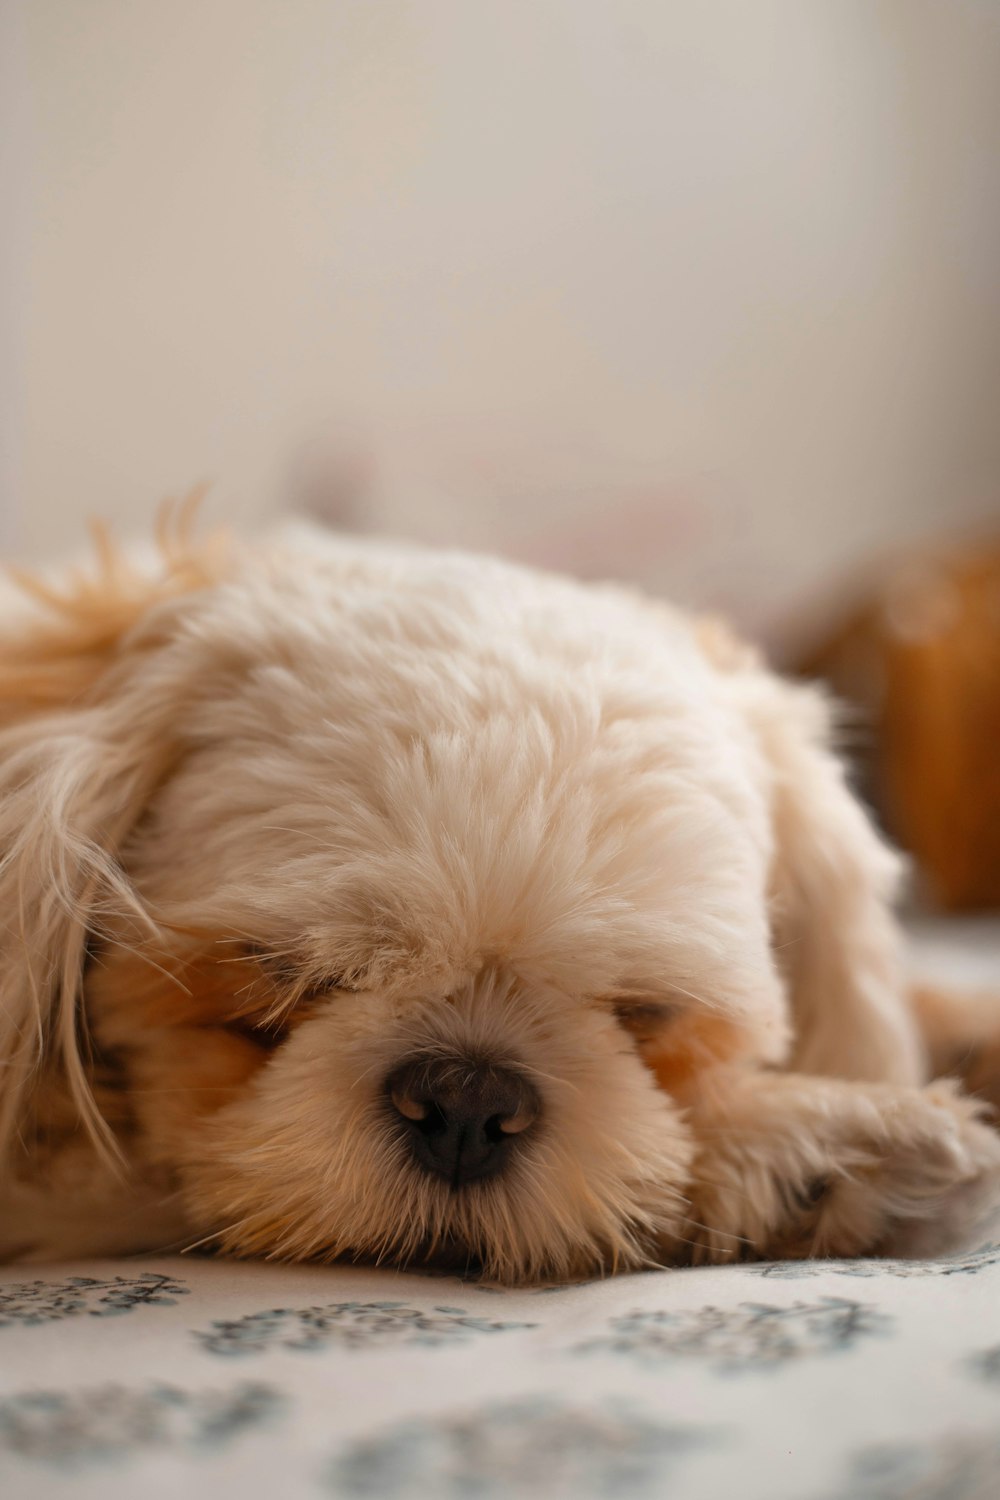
(833, 882)
(89, 703)
(60, 637)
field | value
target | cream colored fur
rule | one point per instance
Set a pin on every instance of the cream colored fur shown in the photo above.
(279, 820)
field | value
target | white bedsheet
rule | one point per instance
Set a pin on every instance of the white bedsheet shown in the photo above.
(856, 1380)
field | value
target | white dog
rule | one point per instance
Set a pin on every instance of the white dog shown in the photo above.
(360, 900)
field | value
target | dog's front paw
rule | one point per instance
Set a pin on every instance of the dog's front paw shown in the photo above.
(934, 1180)
(835, 1169)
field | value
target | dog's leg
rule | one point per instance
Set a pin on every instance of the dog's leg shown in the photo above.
(962, 1032)
(789, 1165)
(832, 884)
(833, 881)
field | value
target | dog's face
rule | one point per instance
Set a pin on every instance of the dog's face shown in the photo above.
(446, 868)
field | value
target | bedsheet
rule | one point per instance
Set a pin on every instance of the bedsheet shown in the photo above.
(859, 1380)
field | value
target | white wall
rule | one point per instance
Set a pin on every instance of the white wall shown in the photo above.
(707, 294)
(14, 231)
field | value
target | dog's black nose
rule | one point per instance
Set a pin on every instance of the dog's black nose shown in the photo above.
(461, 1117)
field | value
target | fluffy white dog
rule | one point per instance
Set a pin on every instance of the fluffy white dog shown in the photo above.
(360, 900)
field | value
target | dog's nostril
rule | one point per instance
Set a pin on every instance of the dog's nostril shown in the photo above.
(460, 1117)
(513, 1124)
(409, 1108)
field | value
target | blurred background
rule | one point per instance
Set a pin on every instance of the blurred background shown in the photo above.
(705, 296)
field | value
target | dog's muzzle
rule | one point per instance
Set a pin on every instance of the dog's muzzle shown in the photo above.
(461, 1118)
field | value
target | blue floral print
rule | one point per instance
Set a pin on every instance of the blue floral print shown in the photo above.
(533, 1448)
(351, 1325)
(747, 1336)
(32, 1302)
(70, 1427)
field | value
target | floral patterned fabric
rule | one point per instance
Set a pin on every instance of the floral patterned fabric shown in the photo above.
(863, 1380)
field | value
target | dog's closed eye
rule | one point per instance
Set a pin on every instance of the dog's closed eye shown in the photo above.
(280, 993)
(288, 971)
(269, 1023)
(263, 1033)
(644, 1019)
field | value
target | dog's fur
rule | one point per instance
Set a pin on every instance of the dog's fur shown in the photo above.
(277, 818)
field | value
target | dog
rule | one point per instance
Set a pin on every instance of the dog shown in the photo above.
(368, 901)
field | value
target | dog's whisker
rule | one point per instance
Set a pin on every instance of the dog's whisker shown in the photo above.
(216, 1234)
(716, 1231)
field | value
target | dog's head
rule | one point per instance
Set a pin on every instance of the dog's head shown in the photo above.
(402, 887)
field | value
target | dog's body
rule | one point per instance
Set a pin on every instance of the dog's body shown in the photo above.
(378, 902)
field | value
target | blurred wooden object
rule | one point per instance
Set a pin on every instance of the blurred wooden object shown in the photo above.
(922, 661)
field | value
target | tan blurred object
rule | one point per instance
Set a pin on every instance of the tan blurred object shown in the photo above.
(922, 661)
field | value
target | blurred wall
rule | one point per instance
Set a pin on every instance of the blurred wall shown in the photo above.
(702, 294)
